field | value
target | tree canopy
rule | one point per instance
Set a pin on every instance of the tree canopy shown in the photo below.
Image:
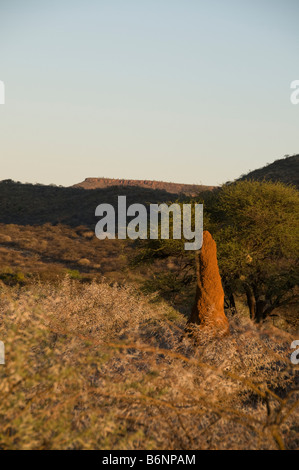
(255, 225)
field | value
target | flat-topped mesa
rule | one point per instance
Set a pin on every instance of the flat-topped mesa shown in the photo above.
(208, 310)
(172, 188)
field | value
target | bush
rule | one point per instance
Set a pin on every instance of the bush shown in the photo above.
(84, 262)
(11, 279)
(5, 238)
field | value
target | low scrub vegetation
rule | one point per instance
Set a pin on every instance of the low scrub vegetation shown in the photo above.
(94, 366)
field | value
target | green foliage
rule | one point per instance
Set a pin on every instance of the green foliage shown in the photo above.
(11, 278)
(256, 228)
(175, 283)
(169, 284)
(74, 274)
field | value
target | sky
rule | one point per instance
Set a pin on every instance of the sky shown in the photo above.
(187, 91)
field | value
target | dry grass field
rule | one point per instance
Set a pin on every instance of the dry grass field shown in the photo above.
(47, 251)
(95, 366)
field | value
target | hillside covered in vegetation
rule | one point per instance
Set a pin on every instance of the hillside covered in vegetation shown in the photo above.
(285, 170)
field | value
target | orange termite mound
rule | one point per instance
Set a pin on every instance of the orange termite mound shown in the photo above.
(208, 310)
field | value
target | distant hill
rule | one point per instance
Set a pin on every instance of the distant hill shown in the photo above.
(28, 204)
(171, 188)
(285, 170)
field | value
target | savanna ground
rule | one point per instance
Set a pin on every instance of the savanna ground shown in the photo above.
(46, 253)
(95, 366)
(96, 360)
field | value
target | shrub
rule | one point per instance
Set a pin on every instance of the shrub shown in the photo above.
(84, 262)
(5, 238)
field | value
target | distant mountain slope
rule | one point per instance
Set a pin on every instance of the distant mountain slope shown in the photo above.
(172, 188)
(30, 204)
(285, 170)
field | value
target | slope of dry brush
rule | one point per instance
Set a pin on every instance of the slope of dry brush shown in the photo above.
(101, 367)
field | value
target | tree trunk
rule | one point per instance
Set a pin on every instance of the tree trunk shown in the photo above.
(232, 304)
(251, 302)
(260, 310)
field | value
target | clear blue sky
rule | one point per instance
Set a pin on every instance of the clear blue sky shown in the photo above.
(189, 91)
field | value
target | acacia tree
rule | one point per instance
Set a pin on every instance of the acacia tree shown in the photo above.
(255, 225)
(256, 228)
(175, 284)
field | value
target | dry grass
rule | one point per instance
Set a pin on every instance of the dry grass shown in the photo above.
(49, 250)
(101, 367)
